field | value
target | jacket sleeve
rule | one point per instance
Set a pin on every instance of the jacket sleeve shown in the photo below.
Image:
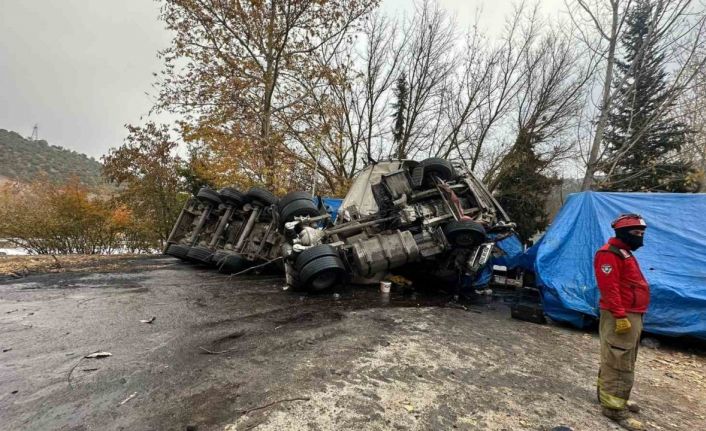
(607, 269)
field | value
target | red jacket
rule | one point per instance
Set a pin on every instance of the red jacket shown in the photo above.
(622, 285)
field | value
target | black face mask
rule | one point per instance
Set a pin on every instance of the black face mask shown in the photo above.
(632, 241)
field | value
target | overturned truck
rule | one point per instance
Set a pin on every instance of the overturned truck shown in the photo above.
(432, 217)
(227, 229)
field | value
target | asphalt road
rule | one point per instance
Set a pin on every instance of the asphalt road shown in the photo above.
(239, 353)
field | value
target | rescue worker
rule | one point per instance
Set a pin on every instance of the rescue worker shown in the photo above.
(625, 296)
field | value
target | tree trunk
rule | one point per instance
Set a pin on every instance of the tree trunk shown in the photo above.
(266, 119)
(591, 166)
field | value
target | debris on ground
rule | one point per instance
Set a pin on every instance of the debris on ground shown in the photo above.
(98, 355)
(133, 395)
(94, 355)
(150, 320)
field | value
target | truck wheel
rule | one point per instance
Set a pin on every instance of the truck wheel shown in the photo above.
(464, 233)
(291, 197)
(424, 173)
(233, 197)
(322, 273)
(232, 264)
(199, 254)
(178, 250)
(208, 196)
(265, 197)
(313, 253)
(218, 256)
(297, 208)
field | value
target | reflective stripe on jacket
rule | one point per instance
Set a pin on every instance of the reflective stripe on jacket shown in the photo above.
(621, 283)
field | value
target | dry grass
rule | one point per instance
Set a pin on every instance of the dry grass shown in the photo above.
(19, 266)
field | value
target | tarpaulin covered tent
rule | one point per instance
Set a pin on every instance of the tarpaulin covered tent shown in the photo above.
(673, 258)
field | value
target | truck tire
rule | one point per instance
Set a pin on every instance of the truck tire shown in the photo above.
(208, 196)
(232, 263)
(291, 197)
(263, 196)
(464, 233)
(313, 253)
(423, 175)
(178, 250)
(321, 274)
(297, 208)
(199, 254)
(218, 256)
(232, 197)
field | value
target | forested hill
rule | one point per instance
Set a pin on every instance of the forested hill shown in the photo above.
(25, 160)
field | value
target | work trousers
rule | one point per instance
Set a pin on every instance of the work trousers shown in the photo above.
(618, 356)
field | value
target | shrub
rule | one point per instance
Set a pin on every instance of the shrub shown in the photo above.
(47, 218)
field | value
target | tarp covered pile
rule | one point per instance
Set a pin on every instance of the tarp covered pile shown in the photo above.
(673, 258)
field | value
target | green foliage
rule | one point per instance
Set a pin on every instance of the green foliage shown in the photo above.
(401, 93)
(523, 188)
(195, 172)
(25, 160)
(643, 135)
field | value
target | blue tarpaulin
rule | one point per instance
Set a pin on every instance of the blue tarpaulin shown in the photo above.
(512, 251)
(673, 258)
(331, 205)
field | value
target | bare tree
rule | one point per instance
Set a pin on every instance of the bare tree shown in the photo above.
(466, 93)
(691, 105)
(351, 109)
(481, 92)
(522, 29)
(555, 79)
(428, 63)
(600, 23)
(383, 56)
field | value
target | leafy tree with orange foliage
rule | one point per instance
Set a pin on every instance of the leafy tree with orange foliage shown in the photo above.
(147, 170)
(48, 218)
(241, 71)
(196, 171)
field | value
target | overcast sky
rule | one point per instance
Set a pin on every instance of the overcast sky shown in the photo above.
(81, 68)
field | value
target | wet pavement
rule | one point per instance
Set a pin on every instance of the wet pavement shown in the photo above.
(239, 353)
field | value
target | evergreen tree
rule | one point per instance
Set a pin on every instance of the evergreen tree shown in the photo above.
(400, 106)
(642, 115)
(523, 188)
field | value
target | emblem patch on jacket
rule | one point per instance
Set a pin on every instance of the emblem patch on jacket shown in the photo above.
(606, 268)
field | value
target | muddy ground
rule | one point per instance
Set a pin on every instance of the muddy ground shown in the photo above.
(238, 354)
